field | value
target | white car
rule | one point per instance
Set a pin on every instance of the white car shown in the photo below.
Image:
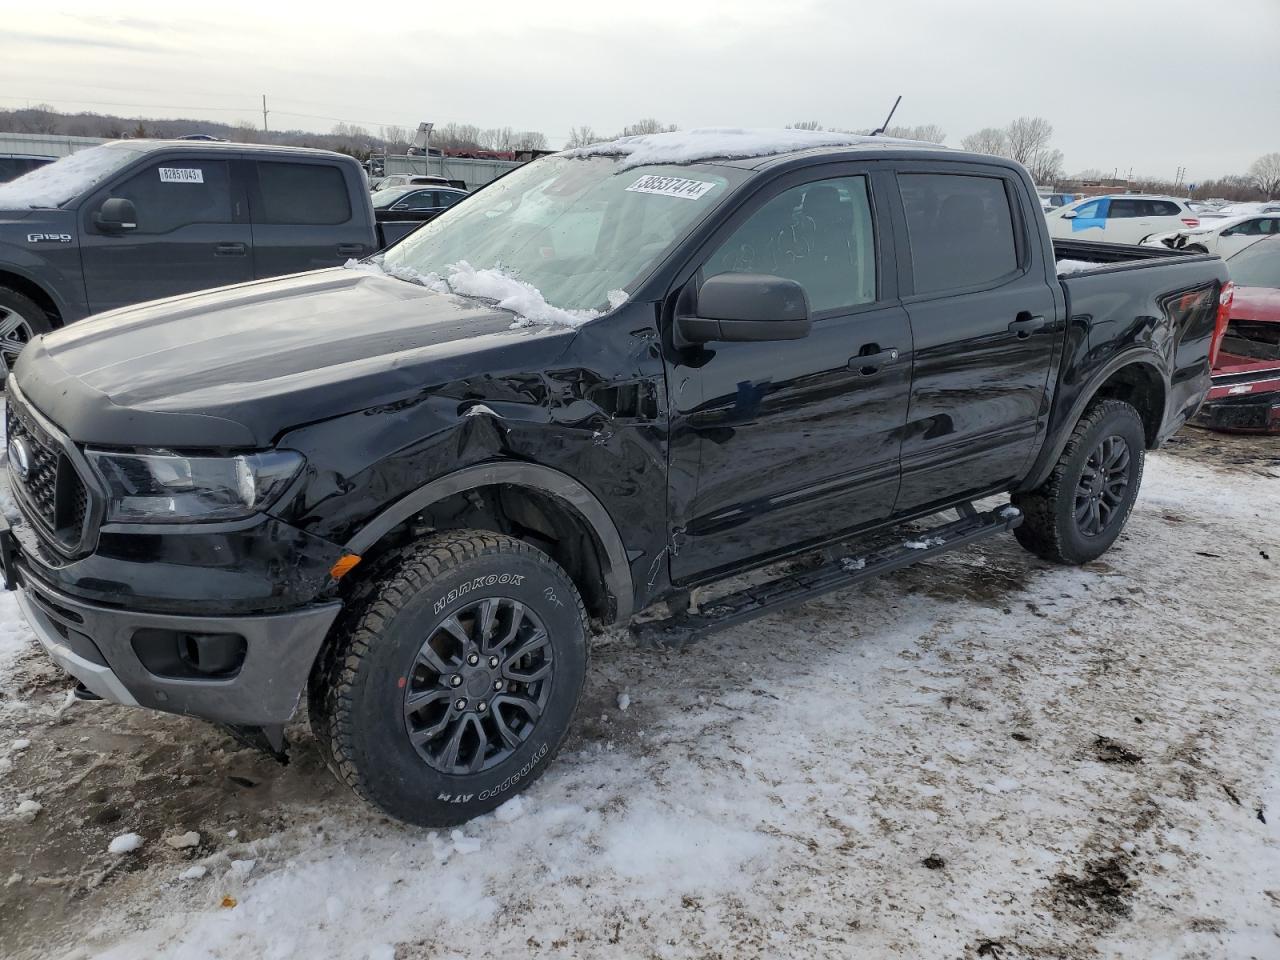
(1221, 237)
(1124, 218)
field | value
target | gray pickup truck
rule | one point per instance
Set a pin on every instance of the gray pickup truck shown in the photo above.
(137, 220)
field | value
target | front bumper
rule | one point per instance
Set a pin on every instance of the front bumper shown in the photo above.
(99, 647)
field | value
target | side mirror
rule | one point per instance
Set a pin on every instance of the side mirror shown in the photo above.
(747, 307)
(116, 215)
(1069, 215)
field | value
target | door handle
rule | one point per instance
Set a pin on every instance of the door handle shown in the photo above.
(1026, 325)
(870, 364)
(351, 249)
(229, 250)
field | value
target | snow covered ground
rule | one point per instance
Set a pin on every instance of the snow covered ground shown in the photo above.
(981, 756)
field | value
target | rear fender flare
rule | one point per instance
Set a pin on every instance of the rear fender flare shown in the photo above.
(616, 573)
(1056, 444)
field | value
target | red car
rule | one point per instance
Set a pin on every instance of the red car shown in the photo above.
(1246, 373)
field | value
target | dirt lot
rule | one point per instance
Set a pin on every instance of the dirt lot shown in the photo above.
(983, 756)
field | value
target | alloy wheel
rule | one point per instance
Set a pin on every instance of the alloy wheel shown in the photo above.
(1103, 484)
(15, 334)
(478, 686)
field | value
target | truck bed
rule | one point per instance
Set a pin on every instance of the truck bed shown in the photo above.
(1078, 256)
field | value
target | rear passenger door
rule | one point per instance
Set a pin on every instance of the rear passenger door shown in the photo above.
(302, 217)
(983, 325)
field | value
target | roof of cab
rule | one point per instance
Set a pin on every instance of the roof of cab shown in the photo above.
(149, 146)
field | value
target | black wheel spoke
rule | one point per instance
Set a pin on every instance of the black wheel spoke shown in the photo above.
(478, 686)
(1102, 486)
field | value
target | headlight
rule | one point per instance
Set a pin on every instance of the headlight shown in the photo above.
(163, 487)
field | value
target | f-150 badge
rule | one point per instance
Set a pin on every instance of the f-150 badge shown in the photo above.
(48, 238)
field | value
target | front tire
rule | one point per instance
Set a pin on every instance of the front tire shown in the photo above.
(21, 319)
(1078, 512)
(452, 679)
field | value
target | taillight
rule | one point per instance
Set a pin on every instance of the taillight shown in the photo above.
(1191, 221)
(1225, 296)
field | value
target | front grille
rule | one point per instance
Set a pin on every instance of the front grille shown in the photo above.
(52, 495)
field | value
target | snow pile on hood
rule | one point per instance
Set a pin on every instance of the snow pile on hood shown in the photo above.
(61, 180)
(721, 143)
(522, 299)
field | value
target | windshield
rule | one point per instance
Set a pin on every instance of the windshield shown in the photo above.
(1257, 265)
(575, 229)
(56, 183)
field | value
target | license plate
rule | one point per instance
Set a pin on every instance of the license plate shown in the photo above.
(8, 555)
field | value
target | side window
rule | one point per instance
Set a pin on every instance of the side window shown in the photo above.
(420, 200)
(1124, 208)
(961, 230)
(449, 198)
(817, 234)
(1089, 211)
(1164, 208)
(176, 193)
(1271, 225)
(302, 193)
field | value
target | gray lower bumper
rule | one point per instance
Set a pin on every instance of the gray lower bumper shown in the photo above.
(95, 645)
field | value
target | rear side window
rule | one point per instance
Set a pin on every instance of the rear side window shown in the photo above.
(302, 193)
(1123, 208)
(177, 193)
(961, 230)
(1164, 208)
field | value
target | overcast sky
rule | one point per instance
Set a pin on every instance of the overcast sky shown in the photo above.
(1144, 84)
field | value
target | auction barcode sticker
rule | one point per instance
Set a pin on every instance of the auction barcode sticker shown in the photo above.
(181, 175)
(672, 187)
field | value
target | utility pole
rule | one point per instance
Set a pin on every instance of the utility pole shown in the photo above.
(264, 113)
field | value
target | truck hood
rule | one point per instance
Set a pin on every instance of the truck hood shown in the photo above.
(237, 366)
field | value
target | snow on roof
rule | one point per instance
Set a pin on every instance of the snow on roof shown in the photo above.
(58, 182)
(725, 143)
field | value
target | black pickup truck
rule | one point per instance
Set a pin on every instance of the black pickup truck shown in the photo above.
(612, 377)
(136, 220)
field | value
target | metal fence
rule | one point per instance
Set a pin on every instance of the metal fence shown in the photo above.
(474, 173)
(45, 144)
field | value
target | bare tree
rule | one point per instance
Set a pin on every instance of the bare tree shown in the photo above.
(647, 125)
(990, 140)
(582, 136)
(395, 137)
(806, 125)
(246, 131)
(1265, 173)
(497, 138)
(530, 140)
(927, 132)
(1026, 137)
(1046, 167)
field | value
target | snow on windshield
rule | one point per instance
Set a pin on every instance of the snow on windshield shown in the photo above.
(522, 299)
(690, 146)
(58, 182)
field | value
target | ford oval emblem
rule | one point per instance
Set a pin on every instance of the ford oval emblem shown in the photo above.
(20, 457)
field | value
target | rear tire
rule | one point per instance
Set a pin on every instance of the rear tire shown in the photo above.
(21, 319)
(1078, 512)
(452, 678)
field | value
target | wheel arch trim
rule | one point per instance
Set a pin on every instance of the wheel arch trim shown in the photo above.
(1052, 450)
(581, 501)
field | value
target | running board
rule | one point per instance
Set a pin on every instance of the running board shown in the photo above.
(836, 574)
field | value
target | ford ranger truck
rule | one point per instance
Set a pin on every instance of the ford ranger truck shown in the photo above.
(412, 488)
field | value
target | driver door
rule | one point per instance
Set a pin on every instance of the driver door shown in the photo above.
(778, 445)
(192, 233)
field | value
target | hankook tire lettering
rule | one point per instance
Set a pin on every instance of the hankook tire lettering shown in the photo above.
(493, 579)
